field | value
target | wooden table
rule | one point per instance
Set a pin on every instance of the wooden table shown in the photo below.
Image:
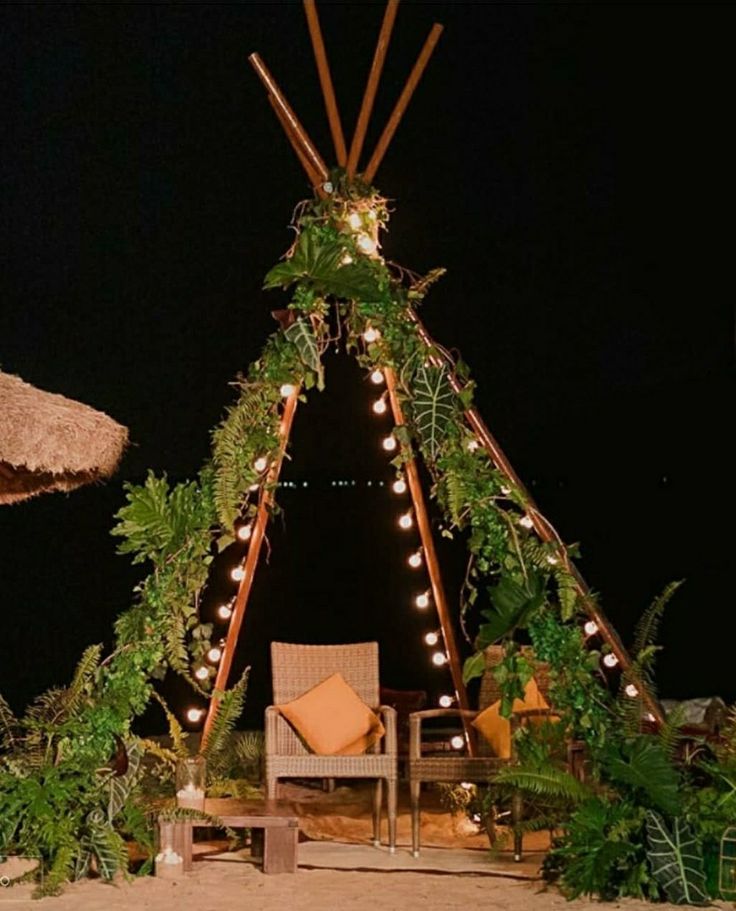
(279, 826)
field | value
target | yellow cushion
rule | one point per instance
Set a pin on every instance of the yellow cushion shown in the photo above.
(333, 720)
(496, 729)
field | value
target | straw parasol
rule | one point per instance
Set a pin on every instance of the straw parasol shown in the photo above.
(49, 442)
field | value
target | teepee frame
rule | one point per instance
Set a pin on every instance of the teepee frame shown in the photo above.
(319, 178)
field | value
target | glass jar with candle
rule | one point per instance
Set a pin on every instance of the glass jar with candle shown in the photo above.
(190, 782)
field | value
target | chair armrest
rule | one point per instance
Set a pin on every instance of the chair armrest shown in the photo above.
(388, 714)
(415, 725)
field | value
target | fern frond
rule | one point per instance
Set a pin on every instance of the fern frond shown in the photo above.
(8, 726)
(229, 710)
(648, 625)
(78, 689)
(176, 732)
(670, 734)
(547, 782)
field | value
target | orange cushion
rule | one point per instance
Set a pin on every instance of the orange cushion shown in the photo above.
(333, 720)
(496, 729)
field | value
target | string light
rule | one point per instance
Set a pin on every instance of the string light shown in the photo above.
(389, 443)
(422, 600)
(355, 221)
(371, 334)
(457, 742)
(287, 389)
(253, 487)
(201, 673)
(439, 659)
(445, 701)
(415, 560)
(377, 377)
(399, 486)
(244, 532)
(194, 715)
(406, 521)
(466, 785)
(237, 574)
(610, 660)
(590, 628)
(552, 560)
(380, 406)
(260, 464)
(631, 691)
(366, 244)
(214, 654)
(526, 521)
(346, 260)
(224, 611)
(431, 638)
(473, 445)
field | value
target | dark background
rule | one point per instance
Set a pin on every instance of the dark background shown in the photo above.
(567, 164)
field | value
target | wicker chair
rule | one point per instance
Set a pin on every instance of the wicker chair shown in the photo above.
(480, 768)
(296, 669)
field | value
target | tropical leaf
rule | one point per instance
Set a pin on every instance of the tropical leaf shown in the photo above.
(545, 782)
(474, 667)
(121, 786)
(642, 764)
(648, 625)
(78, 690)
(433, 407)
(219, 742)
(176, 732)
(513, 601)
(676, 860)
(301, 335)
(109, 849)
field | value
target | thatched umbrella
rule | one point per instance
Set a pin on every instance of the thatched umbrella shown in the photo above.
(49, 442)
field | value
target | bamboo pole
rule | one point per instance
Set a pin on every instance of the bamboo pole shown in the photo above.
(374, 77)
(403, 102)
(433, 565)
(325, 80)
(251, 562)
(313, 176)
(289, 116)
(541, 525)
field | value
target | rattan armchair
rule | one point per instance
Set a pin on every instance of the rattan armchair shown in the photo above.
(296, 669)
(458, 767)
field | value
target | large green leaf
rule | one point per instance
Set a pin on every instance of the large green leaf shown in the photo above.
(122, 786)
(433, 407)
(319, 261)
(676, 860)
(642, 764)
(514, 601)
(301, 335)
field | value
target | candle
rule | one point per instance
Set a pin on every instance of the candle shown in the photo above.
(191, 797)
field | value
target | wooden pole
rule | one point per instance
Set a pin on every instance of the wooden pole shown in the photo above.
(251, 562)
(374, 77)
(297, 130)
(433, 565)
(325, 80)
(542, 527)
(313, 176)
(403, 102)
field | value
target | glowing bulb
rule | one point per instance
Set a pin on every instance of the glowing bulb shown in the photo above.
(590, 628)
(466, 785)
(610, 660)
(422, 601)
(473, 445)
(244, 532)
(415, 560)
(253, 487)
(526, 522)
(366, 244)
(287, 389)
(194, 715)
(389, 443)
(552, 560)
(201, 673)
(354, 221)
(399, 486)
(649, 716)
(445, 701)
(260, 464)
(346, 260)
(431, 638)
(224, 611)
(214, 654)
(237, 574)
(406, 521)
(380, 406)
(457, 742)
(631, 691)
(371, 335)
(505, 491)
(377, 377)
(439, 659)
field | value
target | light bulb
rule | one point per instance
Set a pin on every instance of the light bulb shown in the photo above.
(201, 673)
(194, 715)
(389, 443)
(422, 600)
(260, 464)
(377, 377)
(366, 244)
(214, 654)
(590, 628)
(649, 717)
(287, 389)
(553, 561)
(457, 742)
(439, 659)
(371, 334)
(610, 660)
(445, 701)
(253, 487)
(415, 560)
(473, 445)
(406, 521)
(380, 406)
(244, 532)
(224, 611)
(466, 785)
(505, 491)
(631, 691)
(399, 486)
(526, 521)
(354, 220)
(346, 260)
(431, 638)
(237, 574)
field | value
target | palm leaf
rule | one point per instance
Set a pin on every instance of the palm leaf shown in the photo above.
(433, 407)
(676, 861)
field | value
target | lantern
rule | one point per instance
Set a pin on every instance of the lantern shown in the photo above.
(190, 782)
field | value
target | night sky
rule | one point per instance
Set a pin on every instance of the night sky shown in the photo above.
(566, 163)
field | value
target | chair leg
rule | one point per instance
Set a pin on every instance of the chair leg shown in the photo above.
(377, 801)
(392, 798)
(517, 811)
(414, 790)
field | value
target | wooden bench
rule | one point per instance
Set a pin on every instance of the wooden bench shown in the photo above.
(280, 829)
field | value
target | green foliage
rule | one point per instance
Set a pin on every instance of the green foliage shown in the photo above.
(514, 600)
(301, 335)
(676, 860)
(433, 407)
(230, 707)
